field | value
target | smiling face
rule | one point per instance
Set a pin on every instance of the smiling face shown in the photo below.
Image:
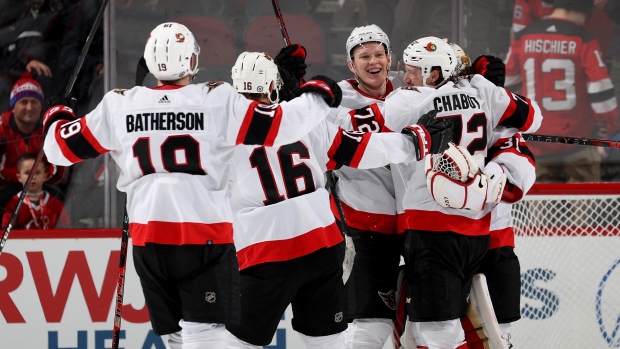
(371, 65)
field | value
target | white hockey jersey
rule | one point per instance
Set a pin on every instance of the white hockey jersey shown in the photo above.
(367, 196)
(281, 209)
(173, 145)
(513, 154)
(476, 108)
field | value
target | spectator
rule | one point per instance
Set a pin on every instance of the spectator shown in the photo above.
(563, 70)
(80, 18)
(613, 12)
(25, 45)
(41, 209)
(21, 132)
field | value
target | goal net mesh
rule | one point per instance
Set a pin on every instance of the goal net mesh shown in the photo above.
(568, 245)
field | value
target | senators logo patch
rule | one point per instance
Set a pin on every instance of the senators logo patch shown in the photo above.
(120, 91)
(212, 84)
(430, 47)
(410, 88)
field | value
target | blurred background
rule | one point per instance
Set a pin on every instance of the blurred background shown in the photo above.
(45, 37)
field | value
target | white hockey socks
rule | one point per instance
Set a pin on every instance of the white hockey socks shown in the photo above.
(367, 333)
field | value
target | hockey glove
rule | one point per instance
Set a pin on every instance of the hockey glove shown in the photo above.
(492, 68)
(292, 59)
(430, 135)
(325, 87)
(455, 181)
(58, 108)
(292, 68)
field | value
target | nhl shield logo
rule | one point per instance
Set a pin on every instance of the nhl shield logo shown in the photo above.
(210, 297)
(338, 317)
(180, 37)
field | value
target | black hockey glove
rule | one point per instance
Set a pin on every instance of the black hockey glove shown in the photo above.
(292, 59)
(292, 68)
(324, 86)
(492, 68)
(430, 135)
(58, 108)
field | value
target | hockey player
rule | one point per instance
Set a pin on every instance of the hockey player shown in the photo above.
(444, 245)
(557, 63)
(367, 196)
(173, 144)
(283, 222)
(500, 264)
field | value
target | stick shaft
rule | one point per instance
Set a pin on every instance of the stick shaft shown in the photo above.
(276, 9)
(572, 140)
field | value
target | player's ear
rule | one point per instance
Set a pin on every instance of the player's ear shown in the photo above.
(351, 67)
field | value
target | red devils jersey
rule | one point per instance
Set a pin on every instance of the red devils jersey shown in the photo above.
(48, 213)
(529, 11)
(558, 64)
(13, 144)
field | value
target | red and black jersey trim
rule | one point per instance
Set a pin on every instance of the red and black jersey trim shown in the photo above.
(260, 125)
(519, 114)
(347, 149)
(367, 119)
(77, 143)
(602, 96)
(515, 145)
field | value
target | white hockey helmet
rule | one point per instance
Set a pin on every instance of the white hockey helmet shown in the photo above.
(431, 52)
(171, 52)
(367, 33)
(463, 63)
(254, 72)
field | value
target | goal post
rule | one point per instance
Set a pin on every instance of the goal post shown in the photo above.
(567, 237)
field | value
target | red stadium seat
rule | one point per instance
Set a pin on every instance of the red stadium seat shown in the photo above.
(216, 40)
(264, 35)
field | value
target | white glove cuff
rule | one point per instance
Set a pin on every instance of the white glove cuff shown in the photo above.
(496, 182)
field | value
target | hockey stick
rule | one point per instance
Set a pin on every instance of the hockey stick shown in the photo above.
(40, 155)
(276, 9)
(141, 71)
(571, 140)
(120, 287)
(349, 256)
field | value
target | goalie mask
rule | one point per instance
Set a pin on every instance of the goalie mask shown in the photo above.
(430, 52)
(367, 33)
(254, 72)
(171, 52)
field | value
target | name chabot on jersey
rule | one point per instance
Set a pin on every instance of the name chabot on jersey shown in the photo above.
(454, 102)
(164, 121)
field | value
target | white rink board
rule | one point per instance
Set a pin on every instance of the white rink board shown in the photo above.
(39, 311)
(591, 266)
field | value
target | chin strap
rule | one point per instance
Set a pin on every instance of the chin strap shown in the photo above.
(277, 97)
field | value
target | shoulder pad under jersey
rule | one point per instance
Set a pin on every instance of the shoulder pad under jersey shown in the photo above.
(212, 84)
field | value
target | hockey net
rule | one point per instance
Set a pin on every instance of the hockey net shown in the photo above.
(567, 237)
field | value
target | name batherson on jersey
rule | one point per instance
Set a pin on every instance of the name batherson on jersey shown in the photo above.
(174, 156)
(477, 108)
(367, 196)
(281, 207)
